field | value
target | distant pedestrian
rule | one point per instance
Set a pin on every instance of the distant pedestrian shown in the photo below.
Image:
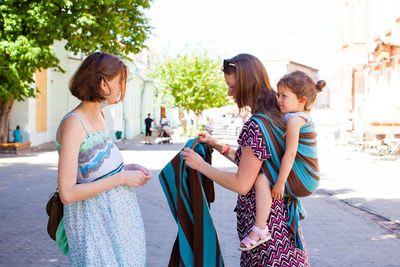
(209, 127)
(260, 146)
(102, 221)
(148, 122)
(17, 134)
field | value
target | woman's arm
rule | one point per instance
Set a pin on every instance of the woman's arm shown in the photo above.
(71, 136)
(240, 182)
(292, 141)
(217, 145)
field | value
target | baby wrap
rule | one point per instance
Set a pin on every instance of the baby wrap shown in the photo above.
(189, 194)
(303, 179)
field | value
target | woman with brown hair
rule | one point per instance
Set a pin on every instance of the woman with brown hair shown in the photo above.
(102, 221)
(249, 85)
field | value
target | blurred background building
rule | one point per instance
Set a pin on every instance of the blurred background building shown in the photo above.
(40, 117)
(368, 60)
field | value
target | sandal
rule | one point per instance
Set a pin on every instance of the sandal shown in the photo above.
(251, 243)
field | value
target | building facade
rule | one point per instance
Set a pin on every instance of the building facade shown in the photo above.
(369, 65)
(39, 117)
(278, 68)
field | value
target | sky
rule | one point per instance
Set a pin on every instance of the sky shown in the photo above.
(304, 31)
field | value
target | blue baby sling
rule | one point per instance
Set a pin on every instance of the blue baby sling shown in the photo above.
(303, 179)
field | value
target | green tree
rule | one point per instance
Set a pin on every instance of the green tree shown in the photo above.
(30, 28)
(191, 82)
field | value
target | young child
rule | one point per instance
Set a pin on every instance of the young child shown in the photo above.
(296, 92)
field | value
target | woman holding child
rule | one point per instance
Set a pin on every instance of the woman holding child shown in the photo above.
(249, 85)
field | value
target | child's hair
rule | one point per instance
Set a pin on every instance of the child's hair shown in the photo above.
(85, 83)
(18, 128)
(302, 85)
(252, 86)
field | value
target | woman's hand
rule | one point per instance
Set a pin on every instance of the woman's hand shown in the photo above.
(205, 137)
(192, 159)
(137, 167)
(277, 191)
(135, 178)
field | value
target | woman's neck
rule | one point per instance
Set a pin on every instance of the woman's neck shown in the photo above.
(92, 109)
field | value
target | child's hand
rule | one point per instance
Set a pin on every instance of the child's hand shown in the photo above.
(277, 191)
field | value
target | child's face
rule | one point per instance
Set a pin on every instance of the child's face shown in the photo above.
(288, 101)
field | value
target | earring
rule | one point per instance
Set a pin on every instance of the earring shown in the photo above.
(103, 103)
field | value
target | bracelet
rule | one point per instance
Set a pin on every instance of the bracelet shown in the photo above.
(226, 149)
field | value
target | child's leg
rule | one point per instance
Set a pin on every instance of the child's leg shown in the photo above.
(263, 205)
(263, 200)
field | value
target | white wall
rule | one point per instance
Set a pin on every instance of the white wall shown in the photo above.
(125, 116)
(132, 106)
(276, 69)
(59, 101)
(147, 105)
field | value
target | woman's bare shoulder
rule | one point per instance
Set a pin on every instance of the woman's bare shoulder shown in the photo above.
(72, 127)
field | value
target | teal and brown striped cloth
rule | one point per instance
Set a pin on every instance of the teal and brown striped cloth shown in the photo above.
(304, 178)
(189, 194)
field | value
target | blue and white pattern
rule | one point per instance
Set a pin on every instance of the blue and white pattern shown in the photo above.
(304, 115)
(107, 229)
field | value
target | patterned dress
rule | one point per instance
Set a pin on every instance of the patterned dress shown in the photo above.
(281, 249)
(107, 229)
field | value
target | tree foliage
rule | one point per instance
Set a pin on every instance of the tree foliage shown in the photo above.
(30, 28)
(192, 82)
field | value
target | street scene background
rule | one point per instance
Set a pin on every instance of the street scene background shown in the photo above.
(353, 219)
(354, 45)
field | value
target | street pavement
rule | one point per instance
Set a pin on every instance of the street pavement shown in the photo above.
(352, 220)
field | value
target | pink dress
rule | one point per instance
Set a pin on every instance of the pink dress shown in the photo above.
(281, 249)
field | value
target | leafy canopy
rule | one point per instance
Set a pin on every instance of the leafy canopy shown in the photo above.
(29, 29)
(192, 82)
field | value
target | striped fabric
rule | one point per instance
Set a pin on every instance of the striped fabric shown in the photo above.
(303, 179)
(189, 195)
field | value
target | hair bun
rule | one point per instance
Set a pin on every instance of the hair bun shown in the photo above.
(319, 85)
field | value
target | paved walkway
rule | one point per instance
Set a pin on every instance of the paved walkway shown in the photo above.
(337, 234)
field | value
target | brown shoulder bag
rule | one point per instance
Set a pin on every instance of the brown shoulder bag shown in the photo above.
(55, 210)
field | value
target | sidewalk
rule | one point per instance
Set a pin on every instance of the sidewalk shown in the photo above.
(361, 180)
(336, 233)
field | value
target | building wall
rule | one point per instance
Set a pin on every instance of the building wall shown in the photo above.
(276, 69)
(147, 105)
(369, 89)
(125, 116)
(133, 105)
